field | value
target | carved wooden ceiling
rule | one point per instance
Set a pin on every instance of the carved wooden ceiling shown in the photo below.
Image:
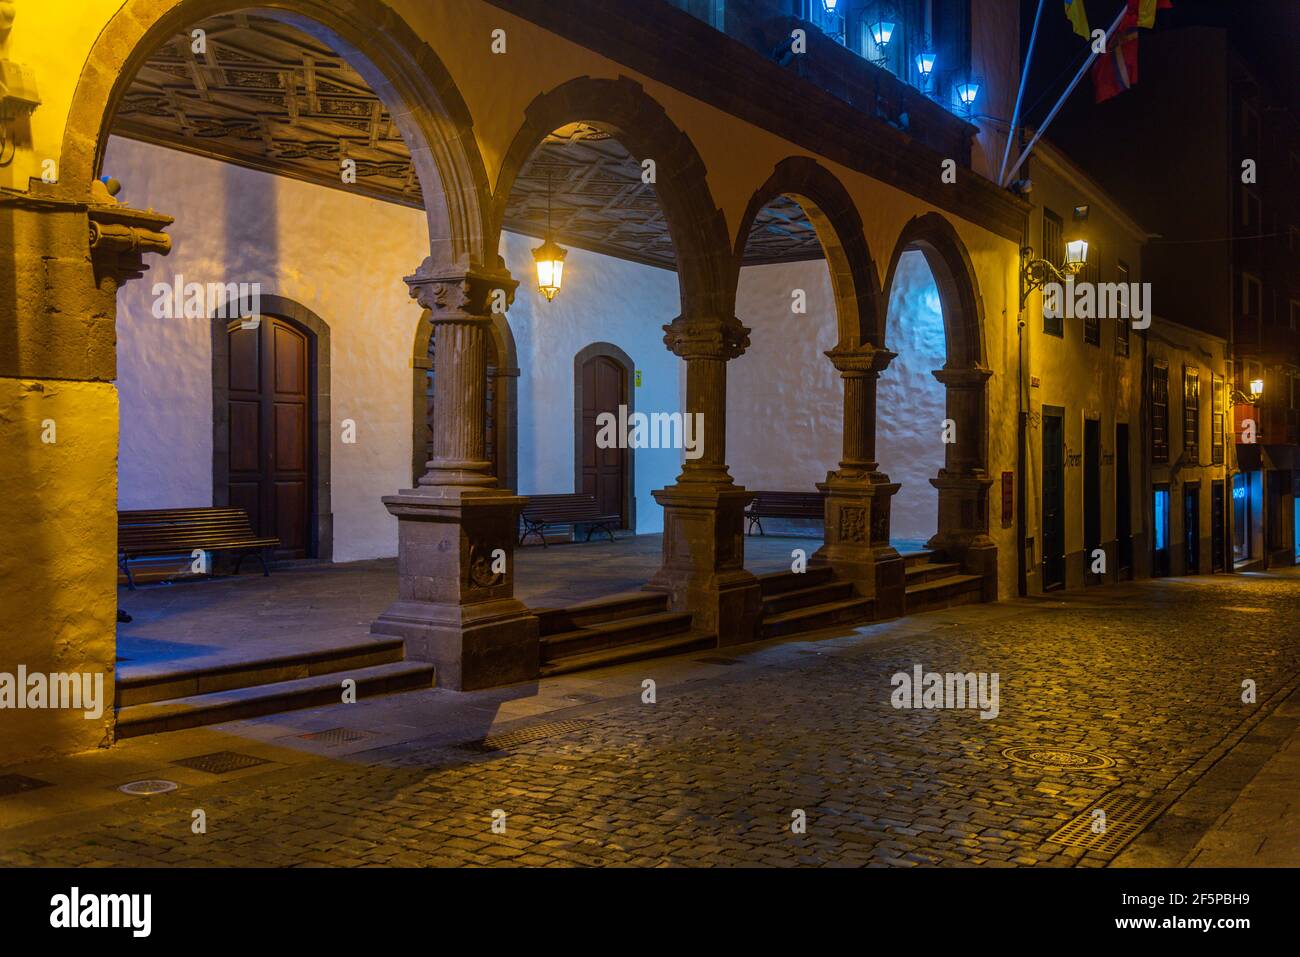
(266, 95)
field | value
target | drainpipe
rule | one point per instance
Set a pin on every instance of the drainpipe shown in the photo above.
(1022, 428)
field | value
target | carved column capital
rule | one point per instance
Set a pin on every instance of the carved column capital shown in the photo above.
(863, 360)
(460, 296)
(972, 377)
(706, 338)
(120, 236)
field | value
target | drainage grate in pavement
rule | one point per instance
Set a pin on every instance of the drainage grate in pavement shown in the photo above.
(335, 736)
(1059, 759)
(20, 784)
(221, 762)
(146, 788)
(1125, 818)
(512, 739)
(718, 660)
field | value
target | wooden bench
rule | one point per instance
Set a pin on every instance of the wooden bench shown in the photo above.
(176, 531)
(784, 505)
(573, 509)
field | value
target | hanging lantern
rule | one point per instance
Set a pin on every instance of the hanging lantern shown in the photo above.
(549, 257)
(829, 5)
(881, 31)
(966, 92)
(925, 63)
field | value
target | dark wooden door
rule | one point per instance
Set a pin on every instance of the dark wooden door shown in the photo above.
(1218, 518)
(1123, 502)
(604, 471)
(1053, 500)
(1091, 492)
(1192, 529)
(270, 403)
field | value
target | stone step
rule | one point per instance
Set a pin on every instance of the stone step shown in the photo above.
(239, 703)
(942, 593)
(774, 583)
(138, 684)
(671, 645)
(919, 557)
(554, 621)
(804, 597)
(817, 617)
(930, 571)
(612, 634)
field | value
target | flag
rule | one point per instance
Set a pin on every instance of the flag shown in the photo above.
(1145, 11)
(1078, 17)
(1116, 70)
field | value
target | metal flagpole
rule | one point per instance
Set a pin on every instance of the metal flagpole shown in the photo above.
(1020, 95)
(1042, 127)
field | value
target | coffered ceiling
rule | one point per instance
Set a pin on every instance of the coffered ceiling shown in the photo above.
(266, 95)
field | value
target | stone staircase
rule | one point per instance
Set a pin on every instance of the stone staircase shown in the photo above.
(809, 601)
(934, 583)
(149, 701)
(613, 631)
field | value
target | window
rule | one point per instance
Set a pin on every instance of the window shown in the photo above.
(1054, 253)
(1123, 322)
(1216, 420)
(1251, 296)
(1159, 413)
(1251, 216)
(1191, 414)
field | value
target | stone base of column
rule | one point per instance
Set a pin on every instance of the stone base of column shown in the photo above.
(454, 608)
(856, 539)
(703, 569)
(963, 526)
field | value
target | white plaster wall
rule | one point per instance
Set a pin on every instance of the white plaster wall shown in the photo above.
(785, 404)
(910, 401)
(343, 257)
(603, 300)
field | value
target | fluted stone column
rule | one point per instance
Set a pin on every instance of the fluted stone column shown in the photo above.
(456, 529)
(963, 482)
(858, 495)
(703, 569)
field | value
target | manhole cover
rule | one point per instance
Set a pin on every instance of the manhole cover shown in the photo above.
(145, 788)
(1059, 759)
(1121, 820)
(512, 739)
(335, 736)
(584, 697)
(19, 784)
(221, 762)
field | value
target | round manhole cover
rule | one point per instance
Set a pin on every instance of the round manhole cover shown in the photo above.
(1061, 759)
(145, 788)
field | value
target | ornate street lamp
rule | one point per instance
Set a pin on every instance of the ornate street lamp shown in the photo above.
(1036, 273)
(549, 257)
(830, 5)
(925, 64)
(882, 31)
(966, 93)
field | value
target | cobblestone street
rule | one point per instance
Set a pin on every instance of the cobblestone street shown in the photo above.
(715, 771)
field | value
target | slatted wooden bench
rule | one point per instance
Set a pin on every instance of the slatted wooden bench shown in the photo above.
(783, 505)
(176, 531)
(544, 511)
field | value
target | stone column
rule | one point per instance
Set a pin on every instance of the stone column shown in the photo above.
(963, 483)
(703, 569)
(456, 530)
(858, 495)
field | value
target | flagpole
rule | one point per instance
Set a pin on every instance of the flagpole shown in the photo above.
(1042, 127)
(1020, 95)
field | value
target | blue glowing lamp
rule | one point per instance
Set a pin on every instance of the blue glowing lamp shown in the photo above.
(881, 31)
(925, 63)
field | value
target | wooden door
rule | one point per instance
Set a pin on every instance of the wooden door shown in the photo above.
(270, 401)
(1053, 500)
(1123, 502)
(1192, 529)
(604, 471)
(1091, 494)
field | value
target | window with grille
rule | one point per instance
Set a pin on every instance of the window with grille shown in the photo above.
(1191, 414)
(1216, 421)
(1054, 253)
(1159, 413)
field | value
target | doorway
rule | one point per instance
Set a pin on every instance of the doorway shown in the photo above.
(1053, 498)
(1123, 504)
(1192, 528)
(1091, 498)
(1218, 516)
(271, 442)
(1160, 532)
(601, 387)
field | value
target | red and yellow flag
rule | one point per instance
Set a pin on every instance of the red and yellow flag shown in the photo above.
(1078, 17)
(1145, 11)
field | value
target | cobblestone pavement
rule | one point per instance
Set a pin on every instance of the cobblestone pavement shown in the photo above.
(1148, 674)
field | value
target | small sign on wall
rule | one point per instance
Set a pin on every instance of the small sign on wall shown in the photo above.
(1008, 498)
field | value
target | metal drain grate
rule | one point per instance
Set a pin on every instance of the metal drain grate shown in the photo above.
(718, 660)
(1125, 819)
(335, 736)
(146, 788)
(512, 739)
(1059, 759)
(221, 762)
(20, 784)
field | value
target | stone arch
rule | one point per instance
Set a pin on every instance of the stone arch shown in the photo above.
(400, 68)
(624, 110)
(834, 216)
(322, 513)
(613, 352)
(502, 359)
(963, 481)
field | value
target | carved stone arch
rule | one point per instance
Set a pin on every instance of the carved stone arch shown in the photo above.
(504, 370)
(624, 110)
(617, 355)
(834, 216)
(320, 433)
(401, 69)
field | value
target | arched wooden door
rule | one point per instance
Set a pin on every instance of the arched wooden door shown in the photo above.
(603, 471)
(272, 367)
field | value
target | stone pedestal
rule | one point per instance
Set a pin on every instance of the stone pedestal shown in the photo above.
(963, 525)
(857, 539)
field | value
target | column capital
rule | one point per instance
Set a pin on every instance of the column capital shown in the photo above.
(706, 338)
(971, 377)
(862, 360)
(459, 295)
(120, 236)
